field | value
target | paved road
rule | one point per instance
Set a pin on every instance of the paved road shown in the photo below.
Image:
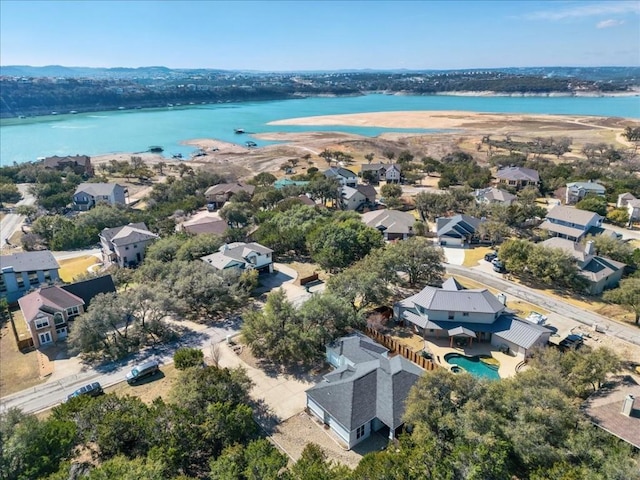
(65, 255)
(624, 332)
(12, 221)
(57, 388)
(70, 374)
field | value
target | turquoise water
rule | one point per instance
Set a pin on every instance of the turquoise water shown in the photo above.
(135, 130)
(473, 365)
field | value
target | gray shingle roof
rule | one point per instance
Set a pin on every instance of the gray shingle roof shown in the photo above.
(599, 267)
(128, 234)
(562, 229)
(572, 215)
(95, 189)
(494, 194)
(470, 300)
(389, 221)
(458, 226)
(339, 172)
(357, 348)
(29, 261)
(589, 186)
(518, 173)
(354, 395)
(234, 252)
(226, 188)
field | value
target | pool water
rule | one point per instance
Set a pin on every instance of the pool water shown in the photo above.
(473, 365)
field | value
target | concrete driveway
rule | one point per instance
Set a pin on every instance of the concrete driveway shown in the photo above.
(453, 255)
(284, 277)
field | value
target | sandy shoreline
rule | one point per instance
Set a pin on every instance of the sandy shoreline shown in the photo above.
(429, 119)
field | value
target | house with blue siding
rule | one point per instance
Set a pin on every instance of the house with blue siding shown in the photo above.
(366, 392)
(24, 271)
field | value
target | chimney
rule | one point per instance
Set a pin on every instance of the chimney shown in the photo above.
(627, 405)
(502, 298)
(590, 248)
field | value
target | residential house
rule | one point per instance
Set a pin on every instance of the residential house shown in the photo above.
(79, 164)
(219, 194)
(518, 177)
(494, 195)
(454, 312)
(391, 173)
(571, 223)
(26, 270)
(346, 177)
(631, 203)
(600, 272)
(88, 195)
(242, 255)
(393, 225)
(367, 391)
(48, 311)
(125, 246)
(209, 223)
(356, 198)
(576, 191)
(458, 230)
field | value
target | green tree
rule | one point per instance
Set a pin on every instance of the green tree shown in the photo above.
(493, 231)
(186, 357)
(391, 190)
(627, 295)
(9, 193)
(593, 204)
(362, 285)
(613, 248)
(416, 257)
(313, 464)
(618, 216)
(264, 461)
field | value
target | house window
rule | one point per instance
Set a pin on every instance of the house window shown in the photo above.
(451, 315)
(33, 277)
(465, 314)
(41, 323)
(73, 310)
(20, 280)
(58, 319)
(3, 286)
(360, 432)
(47, 275)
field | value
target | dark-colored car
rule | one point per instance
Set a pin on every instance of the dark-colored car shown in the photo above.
(92, 390)
(142, 371)
(572, 342)
(498, 266)
(491, 256)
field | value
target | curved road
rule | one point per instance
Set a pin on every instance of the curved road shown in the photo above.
(12, 221)
(624, 332)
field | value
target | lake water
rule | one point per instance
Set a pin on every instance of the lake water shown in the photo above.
(135, 130)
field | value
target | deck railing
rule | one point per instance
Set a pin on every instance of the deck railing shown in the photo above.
(396, 347)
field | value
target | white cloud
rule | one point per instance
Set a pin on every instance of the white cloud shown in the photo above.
(609, 23)
(581, 10)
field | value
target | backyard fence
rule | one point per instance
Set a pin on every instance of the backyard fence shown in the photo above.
(396, 347)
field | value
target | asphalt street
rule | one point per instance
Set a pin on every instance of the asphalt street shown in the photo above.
(12, 221)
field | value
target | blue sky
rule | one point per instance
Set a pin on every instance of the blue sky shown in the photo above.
(320, 35)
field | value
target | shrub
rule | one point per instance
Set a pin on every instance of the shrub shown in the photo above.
(188, 357)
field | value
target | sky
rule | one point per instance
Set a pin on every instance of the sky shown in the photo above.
(320, 35)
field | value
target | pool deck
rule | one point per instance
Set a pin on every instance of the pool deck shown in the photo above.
(439, 347)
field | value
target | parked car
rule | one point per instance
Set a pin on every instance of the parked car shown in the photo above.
(498, 266)
(142, 371)
(491, 256)
(92, 390)
(572, 342)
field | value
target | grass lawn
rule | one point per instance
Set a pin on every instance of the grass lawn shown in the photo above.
(17, 370)
(71, 268)
(159, 385)
(473, 255)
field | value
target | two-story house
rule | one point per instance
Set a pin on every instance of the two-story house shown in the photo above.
(88, 195)
(631, 204)
(218, 195)
(471, 314)
(356, 198)
(391, 173)
(576, 191)
(125, 246)
(366, 392)
(600, 272)
(242, 255)
(571, 223)
(518, 177)
(393, 225)
(48, 311)
(26, 270)
(79, 164)
(345, 177)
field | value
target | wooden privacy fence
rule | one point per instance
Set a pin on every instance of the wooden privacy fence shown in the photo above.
(401, 349)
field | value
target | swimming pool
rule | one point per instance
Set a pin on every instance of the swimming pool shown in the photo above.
(474, 365)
